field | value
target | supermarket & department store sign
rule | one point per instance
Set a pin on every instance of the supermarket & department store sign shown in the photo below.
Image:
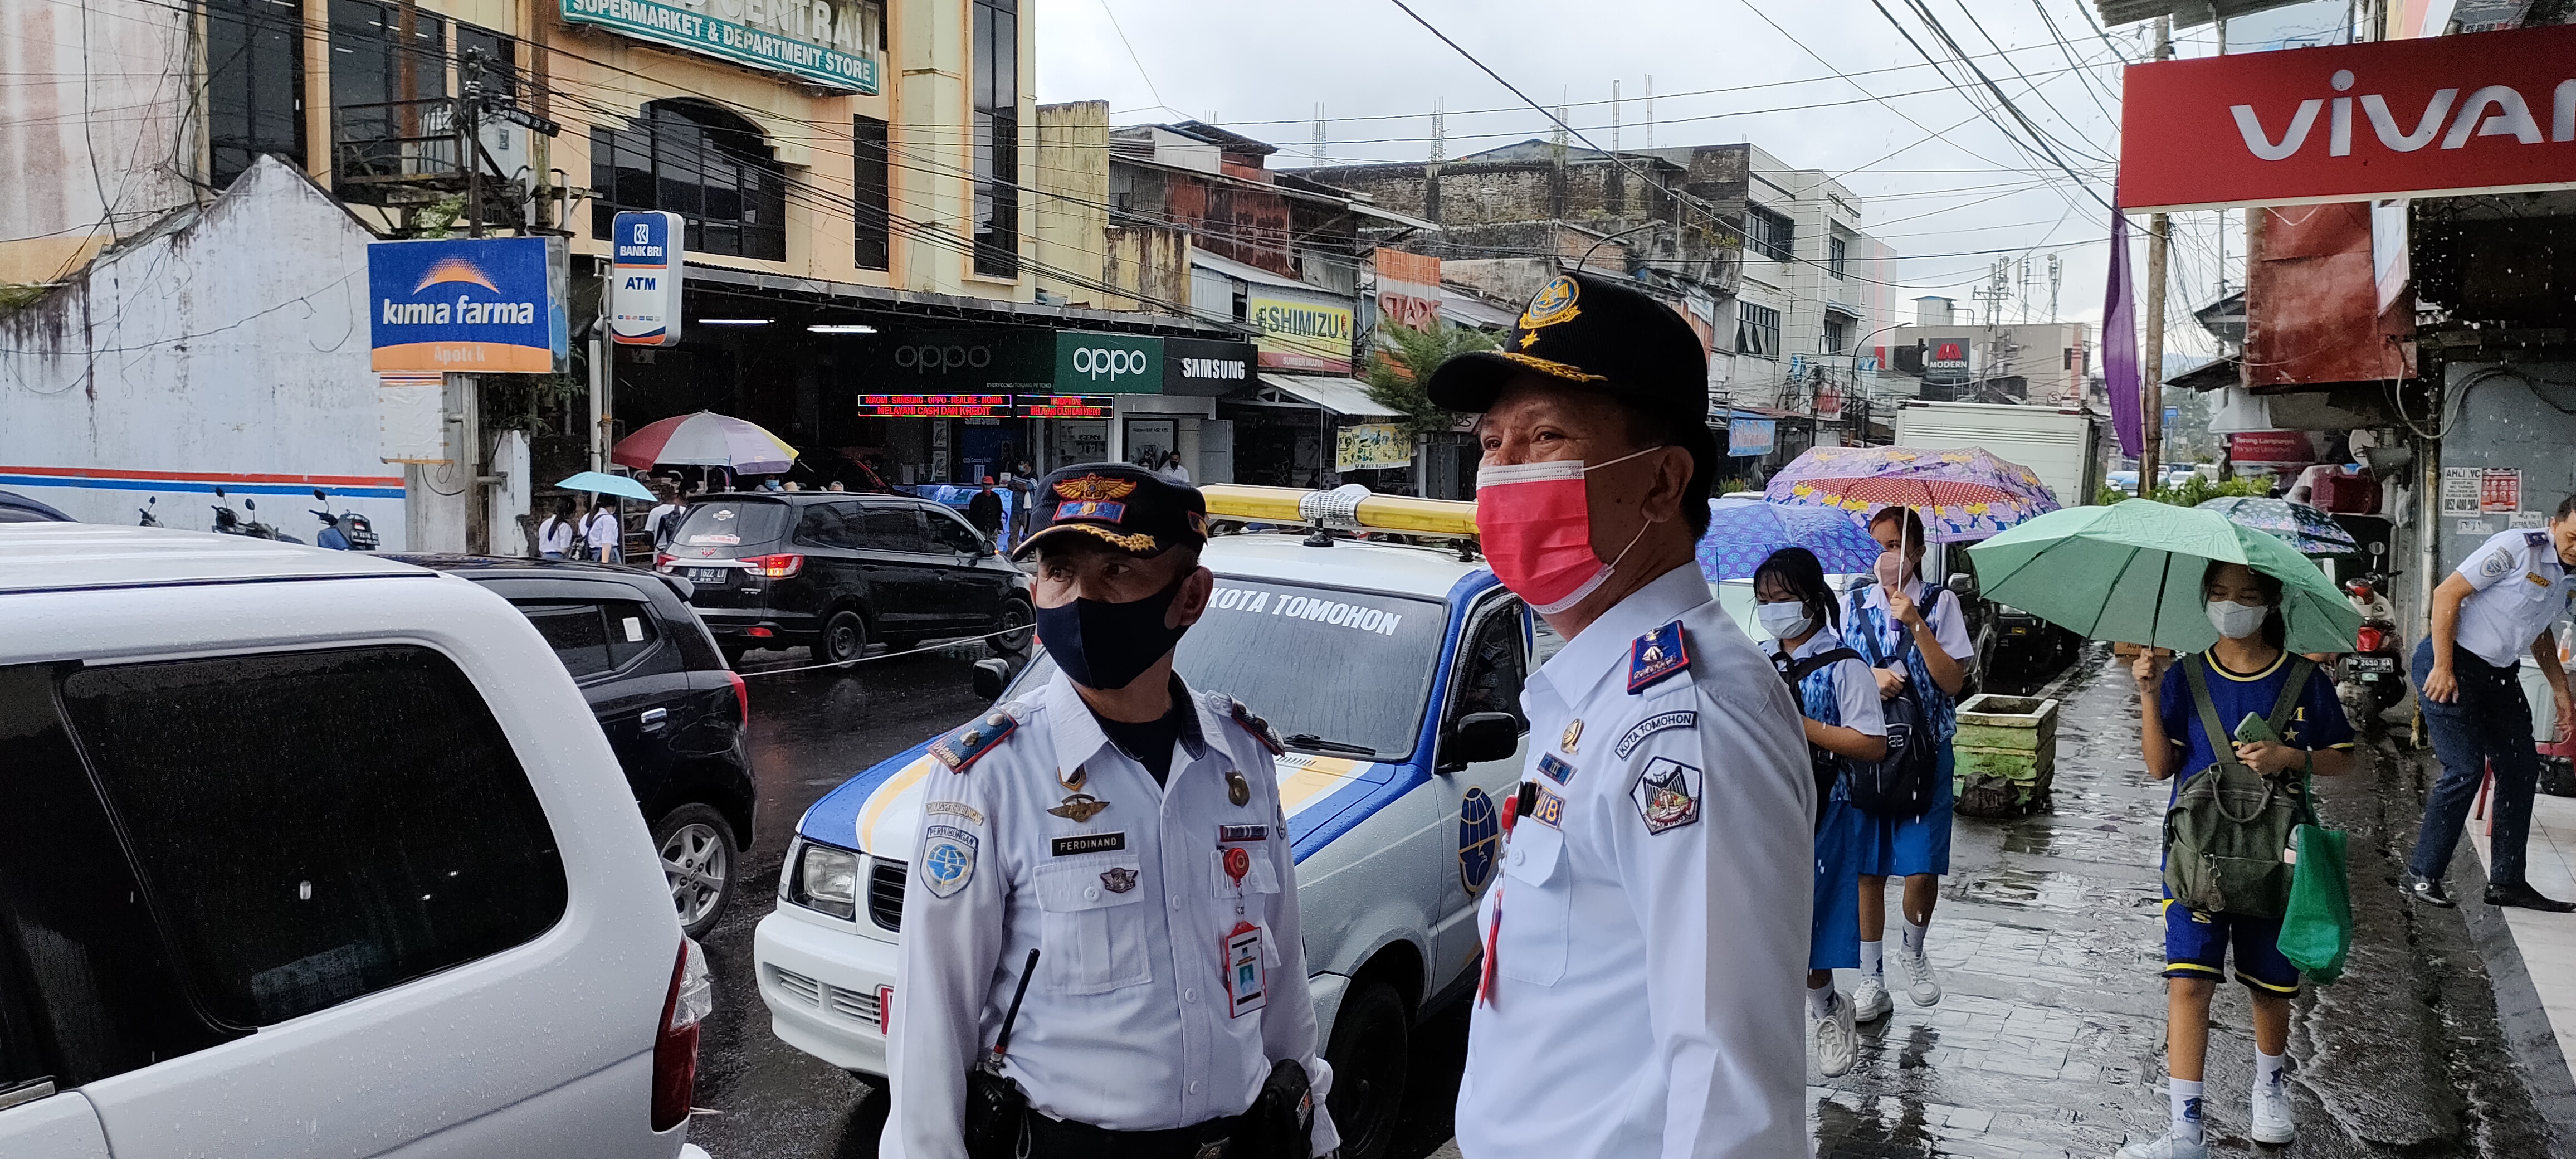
(828, 42)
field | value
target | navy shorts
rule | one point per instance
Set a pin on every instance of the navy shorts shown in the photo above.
(2196, 947)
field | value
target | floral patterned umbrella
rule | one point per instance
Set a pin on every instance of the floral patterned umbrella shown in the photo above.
(1962, 494)
(1742, 534)
(2310, 531)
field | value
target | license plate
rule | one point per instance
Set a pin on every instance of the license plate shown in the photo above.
(2018, 631)
(2374, 664)
(709, 575)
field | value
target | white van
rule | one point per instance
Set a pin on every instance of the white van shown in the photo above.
(315, 854)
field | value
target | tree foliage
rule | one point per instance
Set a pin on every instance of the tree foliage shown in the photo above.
(1395, 380)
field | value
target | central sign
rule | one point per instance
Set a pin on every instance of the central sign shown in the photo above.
(829, 42)
(2488, 113)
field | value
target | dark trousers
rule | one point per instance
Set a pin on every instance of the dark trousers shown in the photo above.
(1066, 1139)
(2487, 725)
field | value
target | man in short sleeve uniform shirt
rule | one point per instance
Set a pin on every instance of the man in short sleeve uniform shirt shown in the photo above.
(1646, 942)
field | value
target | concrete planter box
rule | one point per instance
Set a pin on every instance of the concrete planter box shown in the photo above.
(2006, 754)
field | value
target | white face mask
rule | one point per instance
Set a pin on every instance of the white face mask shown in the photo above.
(1786, 621)
(2237, 621)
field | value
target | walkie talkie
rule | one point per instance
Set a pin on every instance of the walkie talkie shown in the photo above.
(996, 1107)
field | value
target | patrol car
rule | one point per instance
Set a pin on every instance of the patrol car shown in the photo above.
(1393, 672)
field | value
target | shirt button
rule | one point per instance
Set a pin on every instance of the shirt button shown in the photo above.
(1189, 995)
(1176, 904)
(1519, 857)
(1194, 1088)
(1091, 893)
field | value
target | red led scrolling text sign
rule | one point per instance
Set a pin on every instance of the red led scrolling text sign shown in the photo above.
(2488, 112)
(934, 405)
(1066, 406)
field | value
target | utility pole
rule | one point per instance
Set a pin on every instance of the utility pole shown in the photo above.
(469, 108)
(1318, 151)
(1650, 110)
(2151, 368)
(1614, 117)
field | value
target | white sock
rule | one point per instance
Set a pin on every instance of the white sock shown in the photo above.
(1914, 936)
(1873, 959)
(1820, 1001)
(2267, 1069)
(2186, 1109)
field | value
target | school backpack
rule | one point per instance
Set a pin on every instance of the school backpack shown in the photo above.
(2230, 825)
(1902, 783)
(1827, 766)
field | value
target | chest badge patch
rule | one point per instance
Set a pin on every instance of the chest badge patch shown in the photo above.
(1667, 795)
(1656, 655)
(947, 860)
(1118, 880)
(1557, 768)
(1549, 810)
(1237, 789)
(1074, 781)
(1480, 830)
(1079, 808)
(1573, 733)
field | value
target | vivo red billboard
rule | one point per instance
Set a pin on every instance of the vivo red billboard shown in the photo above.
(2486, 113)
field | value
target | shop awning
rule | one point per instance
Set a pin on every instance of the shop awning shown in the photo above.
(1342, 396)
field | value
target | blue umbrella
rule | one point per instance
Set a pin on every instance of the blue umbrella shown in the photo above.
(1743, 534)
(604, 483)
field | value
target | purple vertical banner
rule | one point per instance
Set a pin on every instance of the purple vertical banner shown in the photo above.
(2120, 344)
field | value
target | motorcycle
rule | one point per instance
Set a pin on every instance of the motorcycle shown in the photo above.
(2372, 678)
(347, 531)
(229, 522)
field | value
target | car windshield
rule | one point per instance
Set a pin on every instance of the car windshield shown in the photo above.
(1347, 673)
(732, 523)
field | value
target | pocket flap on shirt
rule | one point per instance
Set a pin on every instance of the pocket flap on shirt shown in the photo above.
(1090, 885)
(1533, 852)
(1262, 878)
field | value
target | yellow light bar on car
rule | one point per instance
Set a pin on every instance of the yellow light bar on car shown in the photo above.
(1395, 513)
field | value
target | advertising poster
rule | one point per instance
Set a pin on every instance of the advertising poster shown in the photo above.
(1371, 447)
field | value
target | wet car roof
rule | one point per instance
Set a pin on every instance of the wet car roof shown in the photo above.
(59, 556)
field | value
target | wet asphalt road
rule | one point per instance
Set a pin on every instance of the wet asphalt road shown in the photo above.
(2048, 1042)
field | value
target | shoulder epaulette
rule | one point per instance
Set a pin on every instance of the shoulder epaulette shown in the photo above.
(2536, 538)
(962, 748)
(1656, 655)
(1259, 728)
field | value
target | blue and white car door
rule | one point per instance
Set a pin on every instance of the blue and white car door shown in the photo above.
(1492, 661)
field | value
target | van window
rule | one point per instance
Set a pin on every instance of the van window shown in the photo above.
(829, 525)
(631, 630)
(310, 827)
(892, 529)
(732, 523)
(576, 634)
(952, 533)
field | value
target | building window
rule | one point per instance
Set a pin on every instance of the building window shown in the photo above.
(1757, 330)
(1770, 234)
(707, 165)
(1837, 251)
(997, 138)
(500, 56)
(254, 84)
(1837, 333)
(870, 193)
(389, 106)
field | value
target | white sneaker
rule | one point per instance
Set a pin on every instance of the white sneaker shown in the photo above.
(2166, 1146)
(1837, 1044)
(2272, 1120)
(1919, 984)
(1869, 999)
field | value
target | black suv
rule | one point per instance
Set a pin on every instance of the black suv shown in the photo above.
(838, 570)
(673, 711)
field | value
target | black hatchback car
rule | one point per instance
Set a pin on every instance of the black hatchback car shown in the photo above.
(839, 570)
(673, 711)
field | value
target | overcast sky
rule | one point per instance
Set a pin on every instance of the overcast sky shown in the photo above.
(1941, 183)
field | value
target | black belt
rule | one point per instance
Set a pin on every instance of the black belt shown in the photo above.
(1068, 1139)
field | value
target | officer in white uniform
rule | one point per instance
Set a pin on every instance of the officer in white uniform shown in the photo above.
(1127, 829)
(2488, 615)
(1646, 944)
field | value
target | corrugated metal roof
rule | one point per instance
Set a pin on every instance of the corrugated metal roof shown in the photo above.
(1346, 396)
(1250, 273)
(2185, 13)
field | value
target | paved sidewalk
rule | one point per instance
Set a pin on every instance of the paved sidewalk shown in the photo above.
(2540, 969)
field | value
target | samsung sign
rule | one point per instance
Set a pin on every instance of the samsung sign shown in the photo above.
(492, 305)
(1198, 367)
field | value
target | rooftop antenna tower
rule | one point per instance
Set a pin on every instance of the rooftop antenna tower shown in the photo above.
(1614, 116)
(1650, 110)
(2055, 273)
(1317, 151)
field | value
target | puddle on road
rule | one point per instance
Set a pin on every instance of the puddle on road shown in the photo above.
(2027, 889)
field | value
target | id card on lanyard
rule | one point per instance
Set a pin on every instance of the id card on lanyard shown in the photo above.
(1241, 952)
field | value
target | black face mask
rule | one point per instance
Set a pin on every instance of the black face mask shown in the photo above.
(1105, 646)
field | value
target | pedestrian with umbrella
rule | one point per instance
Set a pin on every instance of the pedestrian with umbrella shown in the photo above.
(2241, 601)
(2307, 530)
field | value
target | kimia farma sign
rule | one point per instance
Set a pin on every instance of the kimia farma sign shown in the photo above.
(482, 305)
(2486, 113)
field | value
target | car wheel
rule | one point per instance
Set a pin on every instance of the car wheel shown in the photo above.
(697, 859)
(845, 638)
(1370, 1055)
(1016, 625)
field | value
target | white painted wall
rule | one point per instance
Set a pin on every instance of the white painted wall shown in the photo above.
(226, 345)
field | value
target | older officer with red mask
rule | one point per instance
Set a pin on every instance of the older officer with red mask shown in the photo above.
(1646, 946)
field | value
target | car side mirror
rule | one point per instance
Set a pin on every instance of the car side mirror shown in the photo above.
(1479, 737)
(1963, 586)
(990, 677)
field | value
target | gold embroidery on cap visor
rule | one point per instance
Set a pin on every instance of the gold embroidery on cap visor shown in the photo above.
(1553, 304)
(1095, 487)
(1549, 366)
(1140, 543)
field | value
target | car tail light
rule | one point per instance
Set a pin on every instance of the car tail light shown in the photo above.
(774, 566)
(741, 695)
(762, 633)
(664, 562)
(675, 1044)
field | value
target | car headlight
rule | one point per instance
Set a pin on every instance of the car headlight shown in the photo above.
(825, 880)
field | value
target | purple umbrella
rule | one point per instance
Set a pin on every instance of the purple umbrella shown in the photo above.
(1962, 494)
(1742, 535)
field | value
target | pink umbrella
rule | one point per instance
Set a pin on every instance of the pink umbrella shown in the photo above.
(1961, 494)
(705, 439)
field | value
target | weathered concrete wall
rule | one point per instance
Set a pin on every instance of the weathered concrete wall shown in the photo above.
(1152, 264)
(226, 347)
(91, 139)
(1070, 206)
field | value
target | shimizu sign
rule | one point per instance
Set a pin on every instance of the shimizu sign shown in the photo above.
(2490, 113)
(829, 42)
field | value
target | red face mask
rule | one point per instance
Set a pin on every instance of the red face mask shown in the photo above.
(1536, 528)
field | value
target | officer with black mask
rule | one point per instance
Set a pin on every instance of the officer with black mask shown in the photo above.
(1101, 953)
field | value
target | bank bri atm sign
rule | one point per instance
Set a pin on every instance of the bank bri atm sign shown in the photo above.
(481, 305)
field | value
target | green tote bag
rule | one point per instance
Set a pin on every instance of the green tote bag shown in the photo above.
(2316, 929)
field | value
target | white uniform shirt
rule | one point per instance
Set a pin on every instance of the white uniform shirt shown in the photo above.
(555, 535)
(2521, 590)
(1652, 943)
(1949, 624)
(1129, 1023)
(1855, 690)
(600, 531)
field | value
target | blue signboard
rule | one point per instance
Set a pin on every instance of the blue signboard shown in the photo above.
(644, 298)
(468, 305)
(1751, 436)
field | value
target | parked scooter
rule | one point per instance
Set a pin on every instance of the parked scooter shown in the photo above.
(149, 519)
(227, 522)
(347, 531)
(2373, 677)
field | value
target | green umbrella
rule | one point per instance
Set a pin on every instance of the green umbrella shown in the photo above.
(2131, 572)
